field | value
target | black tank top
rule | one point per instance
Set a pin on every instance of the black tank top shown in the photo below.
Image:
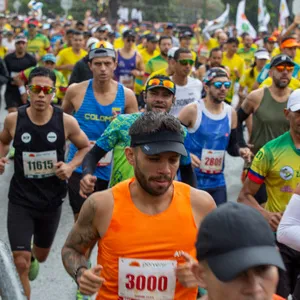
(37, 149)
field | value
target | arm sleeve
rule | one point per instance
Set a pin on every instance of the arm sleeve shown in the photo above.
(242, 116)
(188, 175)
(233, 147)
(89, 163)
(260, 166)
(289, 227)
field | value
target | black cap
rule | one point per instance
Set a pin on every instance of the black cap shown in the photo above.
(128, 33)
(152, 38)
(186, 34)
(234, 238)
(159, 142)
(281, 59)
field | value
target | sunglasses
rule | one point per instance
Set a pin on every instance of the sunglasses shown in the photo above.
(161, 82)
(36, 89)
(31, 26)
(130, 40)
(219, 84)
(185, 62)
(282, 68)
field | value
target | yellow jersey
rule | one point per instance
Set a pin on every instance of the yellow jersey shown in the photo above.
(277, 165)
(68, 57)
(236, 62)
(247, 81)
(3, 51)
(212, 43)
(138, 84)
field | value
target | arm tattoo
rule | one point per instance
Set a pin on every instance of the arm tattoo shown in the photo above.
(82, 237)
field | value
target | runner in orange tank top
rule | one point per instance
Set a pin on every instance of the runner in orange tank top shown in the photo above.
(142, 224)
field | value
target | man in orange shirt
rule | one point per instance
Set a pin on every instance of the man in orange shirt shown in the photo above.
(139, 222)
(236, 260)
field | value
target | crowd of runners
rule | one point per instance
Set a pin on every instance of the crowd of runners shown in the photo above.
(132, 122)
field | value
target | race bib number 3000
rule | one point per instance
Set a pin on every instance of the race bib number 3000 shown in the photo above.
(146, 279)
(39, 164)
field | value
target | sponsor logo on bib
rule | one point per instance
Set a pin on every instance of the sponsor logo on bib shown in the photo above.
(51, 137)
(286, 173)
(26, 137)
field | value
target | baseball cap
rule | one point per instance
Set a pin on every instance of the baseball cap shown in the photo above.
(294, 101)
(91, 41)
(160, 141)
(281, 59)
(270, 39)
(187, 34)
(289, 43)
(128, 33)
(152, 38)
(102, 49)
(169, 25)
(214, 73)
(171, 52)
(20, 38)
(34, 22)
(49, 57)
(234, 238)
(262, 54)
(161, 81)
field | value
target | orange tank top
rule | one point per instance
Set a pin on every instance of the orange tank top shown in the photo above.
(137, 251)
(276, 297)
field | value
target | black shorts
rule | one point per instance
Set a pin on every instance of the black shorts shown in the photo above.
(76, 201)
(289, 280)
(24, 222)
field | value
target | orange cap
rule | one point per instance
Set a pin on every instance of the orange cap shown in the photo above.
(289, 43)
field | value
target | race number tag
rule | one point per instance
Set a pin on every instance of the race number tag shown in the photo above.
(127, 80)
(104, 161)
(39, 164)
(146, 279)
(212, 161)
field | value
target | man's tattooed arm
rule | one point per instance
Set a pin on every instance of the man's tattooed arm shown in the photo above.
(82, 237)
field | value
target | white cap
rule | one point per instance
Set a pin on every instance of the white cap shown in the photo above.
(172, 51)
(262, 54)
(294, 101)
(91, 41)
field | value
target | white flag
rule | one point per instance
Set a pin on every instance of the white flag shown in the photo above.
(242, 23)
(283, 13)
(263, 15)
(220, 22)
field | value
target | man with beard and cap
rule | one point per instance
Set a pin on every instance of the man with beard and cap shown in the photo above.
(135, 264)
(159, 97)
(240, 266)
(212, 126)
(266, 106)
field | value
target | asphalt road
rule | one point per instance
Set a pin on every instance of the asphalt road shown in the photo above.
(53, 282)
